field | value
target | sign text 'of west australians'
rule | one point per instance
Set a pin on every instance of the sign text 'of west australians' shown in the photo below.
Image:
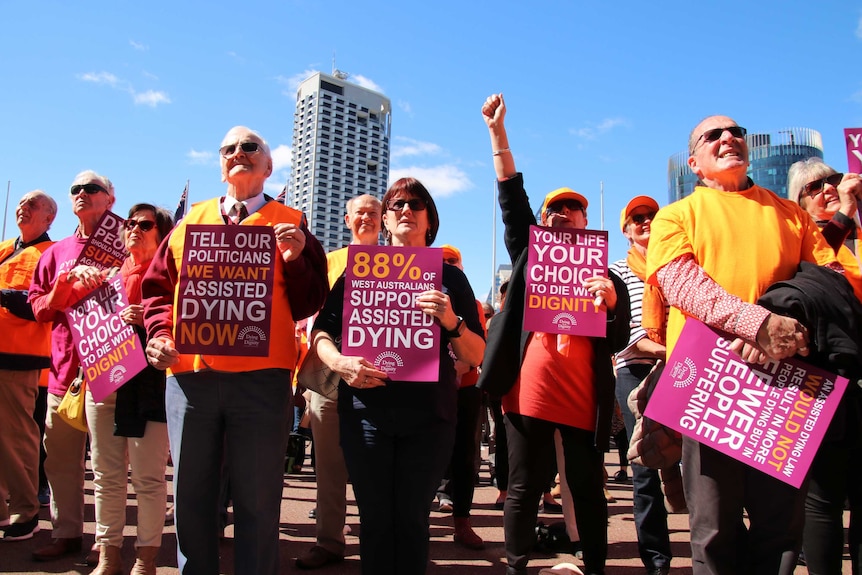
(382, 322)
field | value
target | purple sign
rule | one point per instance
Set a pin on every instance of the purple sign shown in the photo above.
(771, 417)
(106, 246)
(225, 291)
(382, 322)
(559, 261)
(853, 138)
(109, 348)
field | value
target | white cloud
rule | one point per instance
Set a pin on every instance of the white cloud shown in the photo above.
(442, 181)
(366, 83)
(100, 78)
(281, 158)
(405, 107)
(196, 157)
(149, 75)
(151, 98)
(606, 125)
(138, 46)
(292, 82)
(410, 147)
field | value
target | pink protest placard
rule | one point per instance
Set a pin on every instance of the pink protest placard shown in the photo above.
(381, 320)
(559, 261)
(106, 247)
(225, 290)
(110, 350)
(853, 139)
(771, 417)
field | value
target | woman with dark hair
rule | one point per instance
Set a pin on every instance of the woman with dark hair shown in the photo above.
(128, 426)
(397, 436)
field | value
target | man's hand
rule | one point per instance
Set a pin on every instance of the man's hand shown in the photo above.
(290, 240)
(779, 337)
(161, 352)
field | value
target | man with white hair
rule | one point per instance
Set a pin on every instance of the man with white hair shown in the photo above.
(55, 282)
(227, 406)
(22, 357)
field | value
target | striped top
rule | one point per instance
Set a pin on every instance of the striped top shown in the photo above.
(631, 355)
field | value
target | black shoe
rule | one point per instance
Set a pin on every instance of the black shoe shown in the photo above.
(663, 570)
(552, 507)
(313, 513)
(317, 557)
(22, 531)
(621, 476)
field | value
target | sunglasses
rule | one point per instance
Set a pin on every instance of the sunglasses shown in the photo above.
(815, 188)
(415, 205)
(557, 207)
(145, 225)
(88, 189)
(489, 315)
(715, 134)
(639, 219)
(247, 147)
(451, 261)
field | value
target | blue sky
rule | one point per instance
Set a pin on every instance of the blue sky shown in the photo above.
(596, 92)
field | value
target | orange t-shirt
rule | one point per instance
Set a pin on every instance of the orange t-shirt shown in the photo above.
(553, 386)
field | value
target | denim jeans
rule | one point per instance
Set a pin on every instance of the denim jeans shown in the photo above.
(649, 511)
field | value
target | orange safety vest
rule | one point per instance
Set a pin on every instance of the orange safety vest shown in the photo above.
(24, 337)
(282, 342)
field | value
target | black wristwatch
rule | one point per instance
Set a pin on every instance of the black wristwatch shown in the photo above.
(458, 331)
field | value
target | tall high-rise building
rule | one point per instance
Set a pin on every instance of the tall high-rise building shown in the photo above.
(341, 134)
(769, 156)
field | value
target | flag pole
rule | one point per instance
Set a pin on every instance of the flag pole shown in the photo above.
(6, 211)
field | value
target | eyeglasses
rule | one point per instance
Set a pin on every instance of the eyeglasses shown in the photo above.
(815, 188)
(715, 133)
(557, 207)
(489, 315)
(247, 147)
(451, 261)
(145, 225)
(88, 189)
(415, 205)
(639, 219)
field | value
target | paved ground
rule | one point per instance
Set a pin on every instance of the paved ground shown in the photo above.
(297, 535)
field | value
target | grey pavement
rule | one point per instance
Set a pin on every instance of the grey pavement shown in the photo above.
(447, 558)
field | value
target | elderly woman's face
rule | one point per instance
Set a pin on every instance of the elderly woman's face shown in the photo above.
(406, 218)
(244, 158)
(141, 233)
(820, 196)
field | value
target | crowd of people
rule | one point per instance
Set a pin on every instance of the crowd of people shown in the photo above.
(222, 418)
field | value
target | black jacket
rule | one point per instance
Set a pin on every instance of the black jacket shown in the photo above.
(824, 302)
(507, 340)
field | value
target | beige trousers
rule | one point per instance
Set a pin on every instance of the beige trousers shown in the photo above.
(110, 457)
(19, 445)
(64, 466)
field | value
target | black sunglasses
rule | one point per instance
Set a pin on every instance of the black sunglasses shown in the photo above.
(247, 147)
(557, 207)
(415, 205)
(715, 133)
(88, 189)
(639, 219)
(815, 188)
(145, 225)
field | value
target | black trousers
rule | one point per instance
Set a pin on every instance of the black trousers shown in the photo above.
(718, 489)
(531, 449)
(459, 482)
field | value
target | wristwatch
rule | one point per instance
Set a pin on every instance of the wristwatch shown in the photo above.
(458, 331)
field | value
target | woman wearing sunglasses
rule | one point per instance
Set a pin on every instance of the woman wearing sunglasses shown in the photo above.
(128, 426)
(830, 197)
(397, 436)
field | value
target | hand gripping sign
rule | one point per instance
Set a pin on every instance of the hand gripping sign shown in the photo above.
(381, 320)
(771, 417)
(559, 261)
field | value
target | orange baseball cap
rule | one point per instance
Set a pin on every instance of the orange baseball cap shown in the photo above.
(564, 194)
(633, 203)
